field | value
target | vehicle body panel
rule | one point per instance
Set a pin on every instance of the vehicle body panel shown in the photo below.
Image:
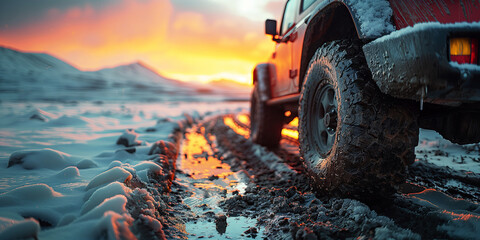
(413, 64)
(407, 13)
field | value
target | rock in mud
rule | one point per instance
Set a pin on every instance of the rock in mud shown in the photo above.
(221, 223)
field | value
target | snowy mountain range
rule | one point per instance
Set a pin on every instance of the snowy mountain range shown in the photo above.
(42, 77)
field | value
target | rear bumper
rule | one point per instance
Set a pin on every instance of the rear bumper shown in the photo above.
(413, 63)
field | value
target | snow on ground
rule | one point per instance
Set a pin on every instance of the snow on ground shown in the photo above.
(447, 154)
(63, 175)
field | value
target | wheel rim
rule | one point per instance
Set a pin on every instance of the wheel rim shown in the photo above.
(323, 119)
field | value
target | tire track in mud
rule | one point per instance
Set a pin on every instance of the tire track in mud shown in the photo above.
(278, 195)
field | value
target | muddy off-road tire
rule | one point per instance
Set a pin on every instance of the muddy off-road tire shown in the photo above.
(266, 122)
(354, 140)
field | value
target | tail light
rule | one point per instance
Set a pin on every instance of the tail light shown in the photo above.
(464, 50)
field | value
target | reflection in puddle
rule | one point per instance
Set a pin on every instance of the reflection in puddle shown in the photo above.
(237, 128)
(289, 130)
(244, 118)
(290, 133)
(236, 226)
(210, 181)
(198, 159)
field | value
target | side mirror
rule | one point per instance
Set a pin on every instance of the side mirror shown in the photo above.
(271, 27)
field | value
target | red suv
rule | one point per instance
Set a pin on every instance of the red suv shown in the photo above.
(362, 77)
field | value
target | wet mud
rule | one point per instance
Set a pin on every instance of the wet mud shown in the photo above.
(231, 188)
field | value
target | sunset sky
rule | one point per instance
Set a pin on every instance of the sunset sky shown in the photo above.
(190, 40)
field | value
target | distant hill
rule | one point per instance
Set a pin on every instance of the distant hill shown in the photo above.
(14, 60)
(42, 77)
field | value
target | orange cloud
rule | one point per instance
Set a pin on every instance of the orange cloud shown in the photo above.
(184, 44)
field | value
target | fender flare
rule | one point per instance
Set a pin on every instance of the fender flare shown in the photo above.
(368, 27)
(262, 77)
(355, 10)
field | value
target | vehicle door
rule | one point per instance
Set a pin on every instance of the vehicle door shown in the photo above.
(306, 7)
(282, 57)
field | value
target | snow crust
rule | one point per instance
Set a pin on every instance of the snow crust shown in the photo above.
(374, 17)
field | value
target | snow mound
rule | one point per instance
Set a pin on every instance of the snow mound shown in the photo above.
(41, 115)
(115, 163)
(86, 163)
(116, 226)
(69, 173)
(67, 219)
(142, 169)
(18, 229)
(103, 193)
(35, 192)
(45, 158)
(115, 174)
(109, 226)
(128, 138)
(9, 216)
(115, 204)
(66, 120)
(374, 17)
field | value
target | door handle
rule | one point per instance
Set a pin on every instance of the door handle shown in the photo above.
(293, 73)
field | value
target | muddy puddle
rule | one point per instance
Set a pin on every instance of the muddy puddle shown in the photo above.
(209, 181)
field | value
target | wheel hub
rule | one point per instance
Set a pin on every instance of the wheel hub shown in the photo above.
(323, 120)
(330, 119)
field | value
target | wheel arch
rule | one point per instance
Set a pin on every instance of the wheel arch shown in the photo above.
(334, 21)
